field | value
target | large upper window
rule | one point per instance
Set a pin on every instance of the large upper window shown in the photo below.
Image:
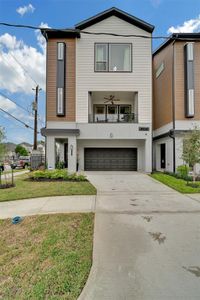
(112, 57)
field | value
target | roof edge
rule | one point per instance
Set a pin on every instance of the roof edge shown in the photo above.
(60, 33)
(177, 37)
(113, 11)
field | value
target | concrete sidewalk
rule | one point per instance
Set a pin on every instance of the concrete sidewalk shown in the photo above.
(15, 174)
(46, 205)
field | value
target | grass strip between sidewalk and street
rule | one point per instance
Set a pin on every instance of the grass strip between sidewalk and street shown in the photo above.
(179, 185)
(46, 257)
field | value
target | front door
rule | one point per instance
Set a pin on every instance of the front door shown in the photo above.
(66, 154)
(162, 156)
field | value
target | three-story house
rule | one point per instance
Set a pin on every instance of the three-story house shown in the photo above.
(176, 100)
(99, 94)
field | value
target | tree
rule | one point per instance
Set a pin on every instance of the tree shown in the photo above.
(2, 146)
(191, 149)
(21, 151)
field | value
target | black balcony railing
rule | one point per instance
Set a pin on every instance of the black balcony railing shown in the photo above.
(113, 118)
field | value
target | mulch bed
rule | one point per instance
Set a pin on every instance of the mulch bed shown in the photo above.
(55, 179)
(6, 185)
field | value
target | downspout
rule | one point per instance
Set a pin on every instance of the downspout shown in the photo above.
(172, 132)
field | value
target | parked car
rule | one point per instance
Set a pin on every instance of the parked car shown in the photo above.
(26, 160)
(21, 163)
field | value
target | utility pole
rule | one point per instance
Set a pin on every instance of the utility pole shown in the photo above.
(35, 108)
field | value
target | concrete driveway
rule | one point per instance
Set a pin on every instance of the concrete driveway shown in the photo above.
(146, 242)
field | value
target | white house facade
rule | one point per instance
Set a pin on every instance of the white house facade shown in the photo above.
(112, 90)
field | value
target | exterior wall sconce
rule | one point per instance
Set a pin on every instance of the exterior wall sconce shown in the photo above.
(71, 150)
(111, 135)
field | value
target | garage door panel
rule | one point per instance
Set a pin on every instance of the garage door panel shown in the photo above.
(119, 159)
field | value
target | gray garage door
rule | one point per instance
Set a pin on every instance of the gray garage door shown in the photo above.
(110, 159)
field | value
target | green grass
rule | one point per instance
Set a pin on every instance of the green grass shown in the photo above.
(179, 185)
(45, 257)
(29, 189)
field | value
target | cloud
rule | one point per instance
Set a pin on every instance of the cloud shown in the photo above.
(155, 3)
(192, 25)
(40, 39)
(13, 124)
(14, 109)
(7, 105)
(15, 56)
(25, 9)
(12, 76)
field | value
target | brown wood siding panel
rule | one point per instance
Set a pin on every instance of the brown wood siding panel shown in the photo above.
(70, 115)
(162, 88)
(179, 81)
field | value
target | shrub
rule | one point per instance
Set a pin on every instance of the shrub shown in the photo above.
(81, 177)
(57, 174)
(178, 176)
(193, 184)
(183, 170)
(60, 165)
(39, 174)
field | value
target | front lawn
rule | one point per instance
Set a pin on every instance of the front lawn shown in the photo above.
(45, 257)
(179, 185)
(30, 189)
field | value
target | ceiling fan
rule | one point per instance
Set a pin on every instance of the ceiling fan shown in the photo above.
(111, 99)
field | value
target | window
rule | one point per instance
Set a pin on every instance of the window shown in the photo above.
(60, 101)
(112, 109)
(160, 69)
(190, 51)
(120, 57)
(60, 51)
(113, 57)
(100, 110)
(101, 57)
(125, 109)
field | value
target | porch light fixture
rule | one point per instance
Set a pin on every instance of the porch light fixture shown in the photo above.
(71, 149)
(111, 135)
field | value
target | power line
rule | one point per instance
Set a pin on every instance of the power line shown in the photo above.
(88, 32)
(26, 110)
(26, 125)
(3, 95)
(20, 26)
(26, 72)
(125, 35)
(8, 63)
(2, 116)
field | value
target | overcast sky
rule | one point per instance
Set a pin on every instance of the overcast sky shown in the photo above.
(22, 51)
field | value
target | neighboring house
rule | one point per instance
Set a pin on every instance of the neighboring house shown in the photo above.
(99, 94)
(10, 151)
(176, 100)
(41, 147)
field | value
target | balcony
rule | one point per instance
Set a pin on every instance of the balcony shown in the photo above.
(112, 107)
(113, 118)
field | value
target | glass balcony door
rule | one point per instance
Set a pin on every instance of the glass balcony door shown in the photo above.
(100, 113)
(112, 113)
(124, 113)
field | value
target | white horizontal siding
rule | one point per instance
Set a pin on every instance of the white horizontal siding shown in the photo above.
(140, 80)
